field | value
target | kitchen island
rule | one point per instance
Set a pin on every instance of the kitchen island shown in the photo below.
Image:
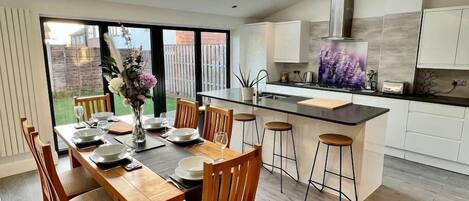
(364, 124)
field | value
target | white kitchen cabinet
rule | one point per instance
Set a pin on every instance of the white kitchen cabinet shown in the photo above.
(464, 149)
(432, 146)
(291, 42)
(462, 57)
(397, 117)
(256, 49)
(444, 41)
(434, 125)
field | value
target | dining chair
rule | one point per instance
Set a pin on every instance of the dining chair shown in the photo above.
(187, 114)
(93, 104)
(58, 191)
(75, 181)
(235, 179)
(217, 120)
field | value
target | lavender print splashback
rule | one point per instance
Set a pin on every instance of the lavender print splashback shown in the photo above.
(343, 64)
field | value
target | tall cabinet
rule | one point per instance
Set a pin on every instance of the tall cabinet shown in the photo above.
(444, 41)
(257, 49)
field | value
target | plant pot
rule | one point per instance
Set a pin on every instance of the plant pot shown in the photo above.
(247, 93)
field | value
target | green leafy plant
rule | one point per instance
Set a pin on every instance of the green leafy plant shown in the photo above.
(245, 79)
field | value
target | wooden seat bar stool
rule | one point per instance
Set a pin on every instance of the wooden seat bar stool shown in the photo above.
(282, 128)
(340, 141)
(244, 118)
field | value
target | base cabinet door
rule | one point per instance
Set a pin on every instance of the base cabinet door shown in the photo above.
(464, 149)
(397, 117)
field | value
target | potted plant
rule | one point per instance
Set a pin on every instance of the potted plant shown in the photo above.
(247, 90)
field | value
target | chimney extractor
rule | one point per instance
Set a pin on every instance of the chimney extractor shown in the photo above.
(340, 22)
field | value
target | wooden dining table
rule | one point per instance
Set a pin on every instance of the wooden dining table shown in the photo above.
(141, 184)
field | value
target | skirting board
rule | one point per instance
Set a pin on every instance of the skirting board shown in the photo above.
(17, 166)
(439, 163)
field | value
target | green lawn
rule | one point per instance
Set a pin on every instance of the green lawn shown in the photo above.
(63, 108)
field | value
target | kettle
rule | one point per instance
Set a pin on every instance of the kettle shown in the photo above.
(308, 77)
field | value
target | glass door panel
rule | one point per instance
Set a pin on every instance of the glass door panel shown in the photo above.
(73, 55)
(140, 37)
(179, 66)
(213, 61)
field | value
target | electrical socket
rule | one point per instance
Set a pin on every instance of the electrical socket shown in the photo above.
(460, 82)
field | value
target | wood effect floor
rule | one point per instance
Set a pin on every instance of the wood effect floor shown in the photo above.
(403, 181)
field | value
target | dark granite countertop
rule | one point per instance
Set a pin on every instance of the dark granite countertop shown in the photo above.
(464, 102)
(349, 115)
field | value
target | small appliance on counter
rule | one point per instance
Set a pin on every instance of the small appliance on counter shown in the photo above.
(393, 87)
(308, 77)
(284, 77)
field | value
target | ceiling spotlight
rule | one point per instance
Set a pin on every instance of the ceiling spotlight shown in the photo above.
(234, 6)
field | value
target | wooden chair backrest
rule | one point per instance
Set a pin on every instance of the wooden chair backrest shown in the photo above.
(233, 180)
(187, 114)
(217, 120)
(93, 104)
(46, 160)
(27, 132)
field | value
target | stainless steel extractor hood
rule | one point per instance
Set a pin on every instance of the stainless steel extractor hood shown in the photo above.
(340, 22)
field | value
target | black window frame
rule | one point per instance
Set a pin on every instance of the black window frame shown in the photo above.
(156, 40)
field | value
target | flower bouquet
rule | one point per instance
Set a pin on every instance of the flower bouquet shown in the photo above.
(126, 78)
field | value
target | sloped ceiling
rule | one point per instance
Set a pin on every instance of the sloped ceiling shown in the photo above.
(245, 8)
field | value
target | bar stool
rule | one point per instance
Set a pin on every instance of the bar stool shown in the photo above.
(340, 141)
(244, 118)
(281, 127)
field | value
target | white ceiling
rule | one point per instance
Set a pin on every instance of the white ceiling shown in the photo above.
(246, 8)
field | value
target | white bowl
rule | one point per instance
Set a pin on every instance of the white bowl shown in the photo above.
(154, 122)
(183, 133)
(110, 152)
(194, 165)
(86, 134)
(103, 115)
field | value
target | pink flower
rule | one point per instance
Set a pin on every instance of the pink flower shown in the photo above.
(148, 80)
(126, 102)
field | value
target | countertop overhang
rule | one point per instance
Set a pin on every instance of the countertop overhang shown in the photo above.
(349, 115)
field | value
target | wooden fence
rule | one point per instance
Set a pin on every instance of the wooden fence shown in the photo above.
(180, 69)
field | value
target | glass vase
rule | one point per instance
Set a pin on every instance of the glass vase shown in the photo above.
(138, 133)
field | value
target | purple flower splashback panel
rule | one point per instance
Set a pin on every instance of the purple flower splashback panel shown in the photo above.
(343, 63)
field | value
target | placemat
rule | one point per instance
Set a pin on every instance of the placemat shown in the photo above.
(186, 184)
(108, 166)
(83, 145)
(120, 128)
(150, 143)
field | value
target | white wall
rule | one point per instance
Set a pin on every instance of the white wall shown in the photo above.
(444, 3)
(318, 10)
(93, 10)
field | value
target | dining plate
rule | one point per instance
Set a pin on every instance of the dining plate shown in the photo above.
(183, 133)
(99, 159)
(194, 165)
(88, 134)
(177, 139)
(81, 141)
(186, 175)
(150, 127)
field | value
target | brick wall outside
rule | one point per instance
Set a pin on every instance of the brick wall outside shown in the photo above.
(76, 70)
(187, 37)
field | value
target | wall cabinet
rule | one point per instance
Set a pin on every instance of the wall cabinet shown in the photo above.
(444, 41)
(291, 42)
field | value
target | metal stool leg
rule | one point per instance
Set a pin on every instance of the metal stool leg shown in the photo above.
(263, 134)
(340, 173)
(325, 168)
(273, 151)
(353, 174)
(257, 131)
(242, 146)
(281, 163)
(312, 170)
(294, 153)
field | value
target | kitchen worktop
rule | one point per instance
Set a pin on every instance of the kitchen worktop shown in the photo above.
(349, 115)
(464, 102)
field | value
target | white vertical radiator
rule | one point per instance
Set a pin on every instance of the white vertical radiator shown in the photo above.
(16, 80)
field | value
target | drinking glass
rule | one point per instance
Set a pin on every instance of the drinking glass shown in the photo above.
(163, 117)
(78, 111)
(103, 127)
(221, 139)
